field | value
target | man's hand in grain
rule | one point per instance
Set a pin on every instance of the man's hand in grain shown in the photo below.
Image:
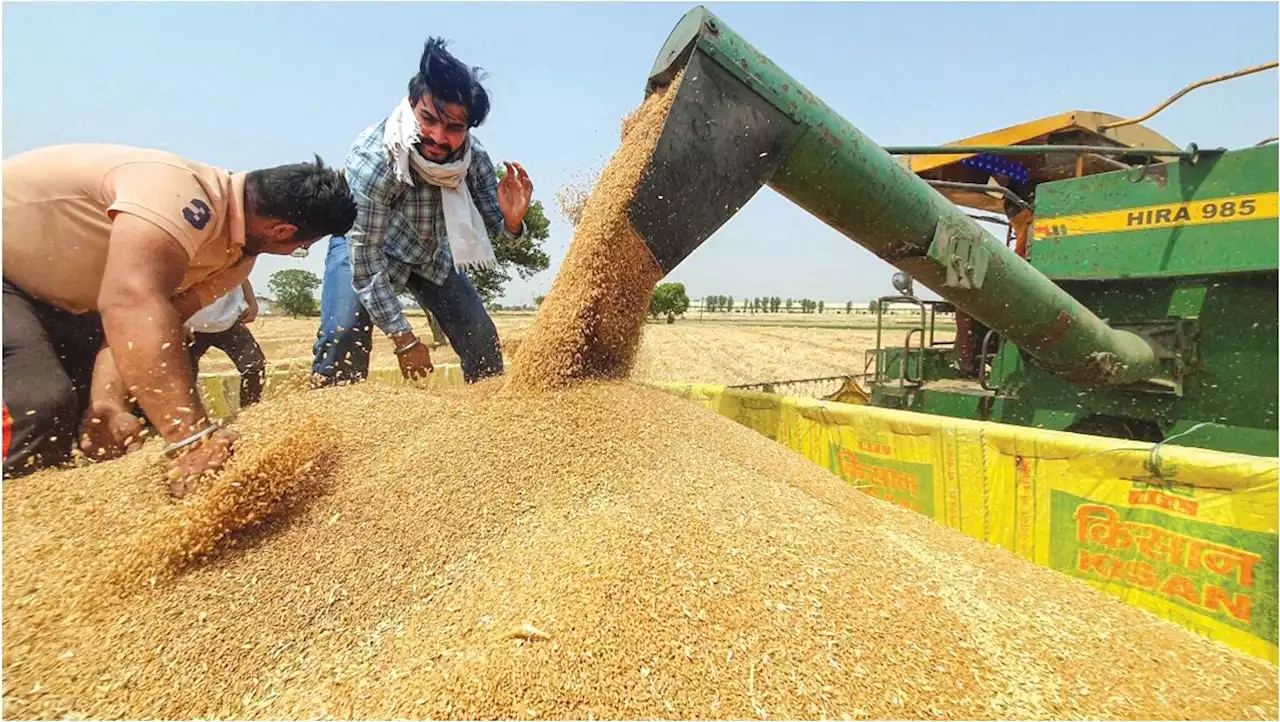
(109, 431)
(414, 357)
(201, 459)
(515, 193)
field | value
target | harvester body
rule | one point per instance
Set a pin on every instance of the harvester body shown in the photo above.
(1112, 333)
(1184, 255)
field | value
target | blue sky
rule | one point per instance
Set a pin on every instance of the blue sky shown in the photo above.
(253, 85)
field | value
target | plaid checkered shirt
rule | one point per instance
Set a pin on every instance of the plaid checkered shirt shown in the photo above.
(399, 229)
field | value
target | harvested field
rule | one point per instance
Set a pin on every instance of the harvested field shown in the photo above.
(711, 351)
(728, 354)
(671, 563)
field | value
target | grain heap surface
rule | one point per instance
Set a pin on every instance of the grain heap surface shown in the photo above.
(605, 551)
(589, 325)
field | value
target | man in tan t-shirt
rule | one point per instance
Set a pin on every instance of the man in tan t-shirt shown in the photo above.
(107, 250)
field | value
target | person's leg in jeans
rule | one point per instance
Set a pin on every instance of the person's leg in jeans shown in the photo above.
(460, 311)
(48, 367)
(239, 344)
(345, 339)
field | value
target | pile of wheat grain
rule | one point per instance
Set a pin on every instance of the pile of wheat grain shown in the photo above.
(606, 551)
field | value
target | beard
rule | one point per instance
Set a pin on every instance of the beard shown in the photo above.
(438, 153)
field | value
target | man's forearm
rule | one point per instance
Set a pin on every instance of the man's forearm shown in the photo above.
(146, 342)
(384, 308)
(370, 282)
(107, 386)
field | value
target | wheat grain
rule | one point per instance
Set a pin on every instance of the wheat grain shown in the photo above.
(668, 562)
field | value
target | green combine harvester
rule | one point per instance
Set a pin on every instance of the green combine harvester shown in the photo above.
(1135, 295)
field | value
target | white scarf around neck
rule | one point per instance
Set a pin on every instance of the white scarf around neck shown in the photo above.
(467, 236)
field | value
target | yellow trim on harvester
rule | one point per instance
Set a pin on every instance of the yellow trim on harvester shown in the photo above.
(1037, 131)
(1013, 135)
(1227, 209)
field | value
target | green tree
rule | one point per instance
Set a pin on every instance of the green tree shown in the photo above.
(668, 299)
(523, 256)
(537, 300)
(294, 289)
(788, 305)
(848, 307)
(873, 306)
(821, 306)
(728, 304)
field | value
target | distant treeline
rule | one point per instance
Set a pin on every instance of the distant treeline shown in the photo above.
(776, 304)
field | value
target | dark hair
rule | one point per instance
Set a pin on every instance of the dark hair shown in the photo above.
(313, 197)
(449, 81)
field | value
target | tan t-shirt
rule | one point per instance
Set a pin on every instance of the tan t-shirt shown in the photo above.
(59, 203)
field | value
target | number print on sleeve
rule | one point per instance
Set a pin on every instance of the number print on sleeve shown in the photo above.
(197, 214)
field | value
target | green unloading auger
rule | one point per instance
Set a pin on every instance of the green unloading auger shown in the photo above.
(740, 122)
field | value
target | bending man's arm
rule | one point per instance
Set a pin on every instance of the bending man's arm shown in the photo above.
(371, 184)
(108, 428)
(251, 312)
(144, 268)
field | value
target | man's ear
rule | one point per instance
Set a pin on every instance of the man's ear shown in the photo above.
(283, 232)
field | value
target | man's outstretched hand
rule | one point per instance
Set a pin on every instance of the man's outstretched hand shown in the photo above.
(515, 193)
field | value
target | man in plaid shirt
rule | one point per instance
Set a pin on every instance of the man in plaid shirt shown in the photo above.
(405, 238)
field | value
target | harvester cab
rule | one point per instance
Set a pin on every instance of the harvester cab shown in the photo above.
(1134, 294)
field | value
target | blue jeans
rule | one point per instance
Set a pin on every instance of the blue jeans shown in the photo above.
(342, 346)
(346, 334)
